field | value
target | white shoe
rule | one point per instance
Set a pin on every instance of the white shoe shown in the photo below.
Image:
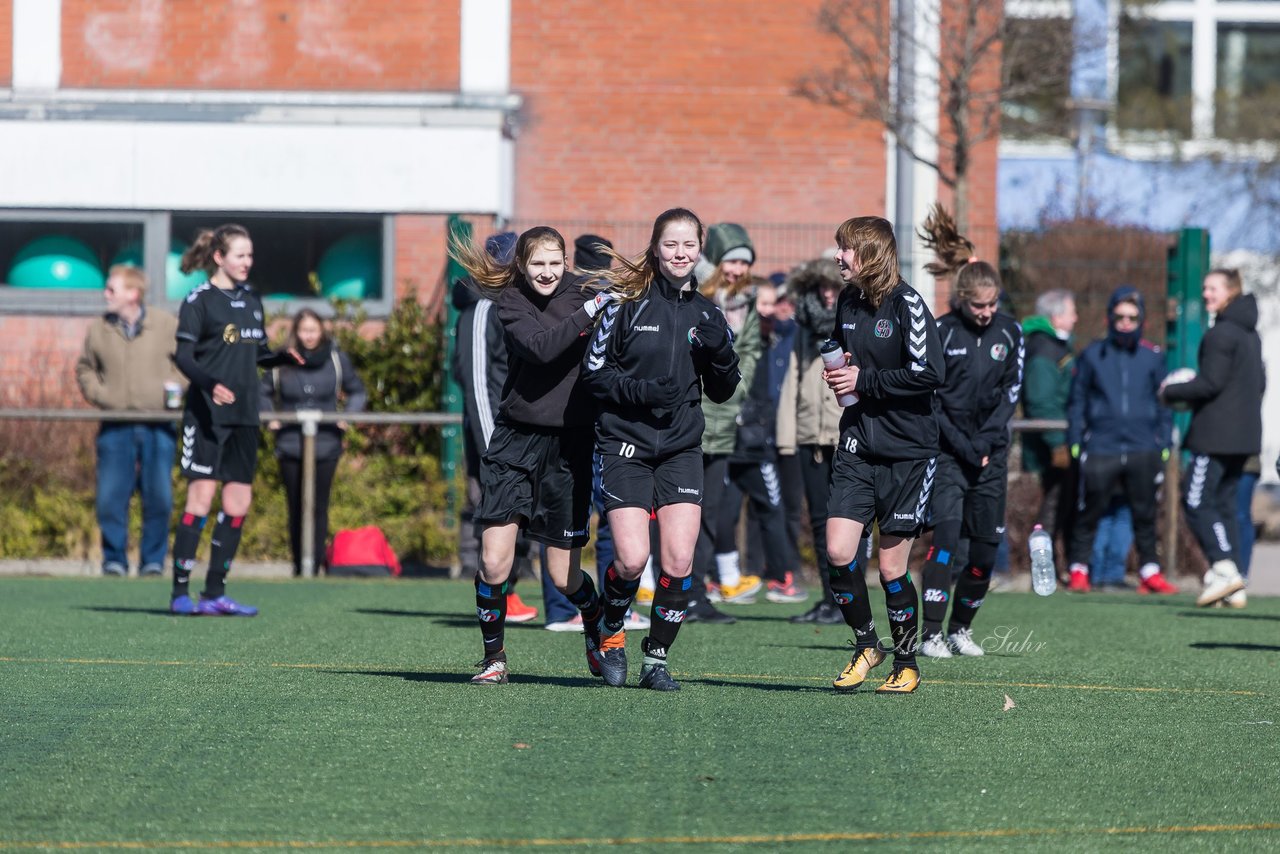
(635, 621)
(962, 642)
(1221, 581)
(1239, 599)
(935, 647)
(573, 625)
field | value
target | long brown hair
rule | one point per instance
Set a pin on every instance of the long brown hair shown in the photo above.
(199, 256)
(306, 314)
(488, 275)
(871, 237)
(632, 276)
(954, 254)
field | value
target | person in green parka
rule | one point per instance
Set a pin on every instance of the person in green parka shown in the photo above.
(1046, 385)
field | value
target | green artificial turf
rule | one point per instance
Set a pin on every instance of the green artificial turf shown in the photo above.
(341, 719)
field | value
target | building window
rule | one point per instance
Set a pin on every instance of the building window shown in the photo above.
(1037, 78)
(1154, 85)
(1248, 81)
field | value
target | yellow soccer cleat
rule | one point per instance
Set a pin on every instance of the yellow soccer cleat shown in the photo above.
(856, 673)
(742, 593)
(902, 680)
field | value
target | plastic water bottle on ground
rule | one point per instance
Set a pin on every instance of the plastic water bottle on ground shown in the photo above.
(1044, 578)
(833, 358)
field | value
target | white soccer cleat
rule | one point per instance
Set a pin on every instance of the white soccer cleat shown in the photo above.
(962, 642)
(1221, 581)
(935, 647)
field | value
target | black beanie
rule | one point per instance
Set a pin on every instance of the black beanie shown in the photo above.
(587, 256)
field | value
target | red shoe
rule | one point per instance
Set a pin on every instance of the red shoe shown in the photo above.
(518, 612)
(1079, 583)
(1156, 584)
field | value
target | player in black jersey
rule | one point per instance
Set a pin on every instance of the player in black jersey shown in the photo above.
(884, 464)
(221, 343)
(536, 472)
(983, 352)
(655, 351)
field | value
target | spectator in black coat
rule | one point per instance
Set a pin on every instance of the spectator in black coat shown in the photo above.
(326, 375)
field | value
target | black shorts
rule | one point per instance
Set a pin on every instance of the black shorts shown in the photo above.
(650, 484)
(895, 493)
(976, 497)
(540, 480)
(227, 454)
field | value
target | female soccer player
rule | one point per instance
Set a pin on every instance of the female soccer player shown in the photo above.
(1226, 427)
(536, 472)
(884, 464)
(655, 352)
(221, 343)
(982, 351)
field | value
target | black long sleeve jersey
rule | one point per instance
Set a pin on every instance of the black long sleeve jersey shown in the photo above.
(224, 328)
(546, 338)
(899, 359)
(984, 379)
(642, 340)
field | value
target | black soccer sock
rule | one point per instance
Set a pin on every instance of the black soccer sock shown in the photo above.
(185, 542)
(618, 593)
(491, 609)
(849, 589)
(654, 653)
(587, 602)
(972, 586)
(936, 577)
(901, 600)
(223, 546)
(670, 605)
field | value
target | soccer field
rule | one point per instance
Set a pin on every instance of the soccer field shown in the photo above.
(340, 719)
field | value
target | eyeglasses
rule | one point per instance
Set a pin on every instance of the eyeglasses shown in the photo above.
(1125, 318)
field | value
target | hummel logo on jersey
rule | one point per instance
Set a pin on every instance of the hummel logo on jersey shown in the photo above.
(647, 328)
(905, 517)
(581, 533)
(960, 351)
(933, 594)
(848, 326)
(683, 491)
(237, 303)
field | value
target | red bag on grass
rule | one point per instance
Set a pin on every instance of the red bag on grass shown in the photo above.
(362, 551)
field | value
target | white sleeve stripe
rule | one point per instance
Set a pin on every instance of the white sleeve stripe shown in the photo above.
(480, 367)
(599, 342)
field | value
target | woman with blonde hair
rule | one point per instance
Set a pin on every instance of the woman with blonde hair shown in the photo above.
(1226, 427)
(655, 352)
(983, 355)
(884, 463)
(535, 473)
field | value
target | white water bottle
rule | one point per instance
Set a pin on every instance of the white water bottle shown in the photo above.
(1044, 578)
(833, 358)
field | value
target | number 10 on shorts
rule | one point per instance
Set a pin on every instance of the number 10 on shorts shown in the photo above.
(627, 450)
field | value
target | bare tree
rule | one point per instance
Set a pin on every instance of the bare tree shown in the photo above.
(978, 61)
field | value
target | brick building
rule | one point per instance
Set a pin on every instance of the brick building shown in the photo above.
(127, 124)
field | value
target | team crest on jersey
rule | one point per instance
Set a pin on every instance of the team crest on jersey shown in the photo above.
(999, 352)
(884, 328)
(230, 334)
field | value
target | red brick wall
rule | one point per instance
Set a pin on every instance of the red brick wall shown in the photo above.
(37, 361)
(420, 258)
(6, 42)
(631, 108)
(261, 44)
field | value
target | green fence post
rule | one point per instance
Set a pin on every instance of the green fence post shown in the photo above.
(451, 450)
(1187, 267)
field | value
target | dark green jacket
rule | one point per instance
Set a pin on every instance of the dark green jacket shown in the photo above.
(721, 431)
(1046, 386)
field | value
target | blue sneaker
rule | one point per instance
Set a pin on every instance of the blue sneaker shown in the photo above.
(225, 606)
(182, 605)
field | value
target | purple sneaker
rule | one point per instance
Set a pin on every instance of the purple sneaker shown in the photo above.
(182, 605)
(225, 606)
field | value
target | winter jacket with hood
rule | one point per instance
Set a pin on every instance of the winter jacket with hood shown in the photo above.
(984, 378)
(317, 384)
(639, 345)
(721, 431)
(1226, 396)
(808, 413)
(899, 355)
(1113, 408)
(1046, 388)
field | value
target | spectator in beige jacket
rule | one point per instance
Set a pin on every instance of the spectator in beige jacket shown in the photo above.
(127, 364)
